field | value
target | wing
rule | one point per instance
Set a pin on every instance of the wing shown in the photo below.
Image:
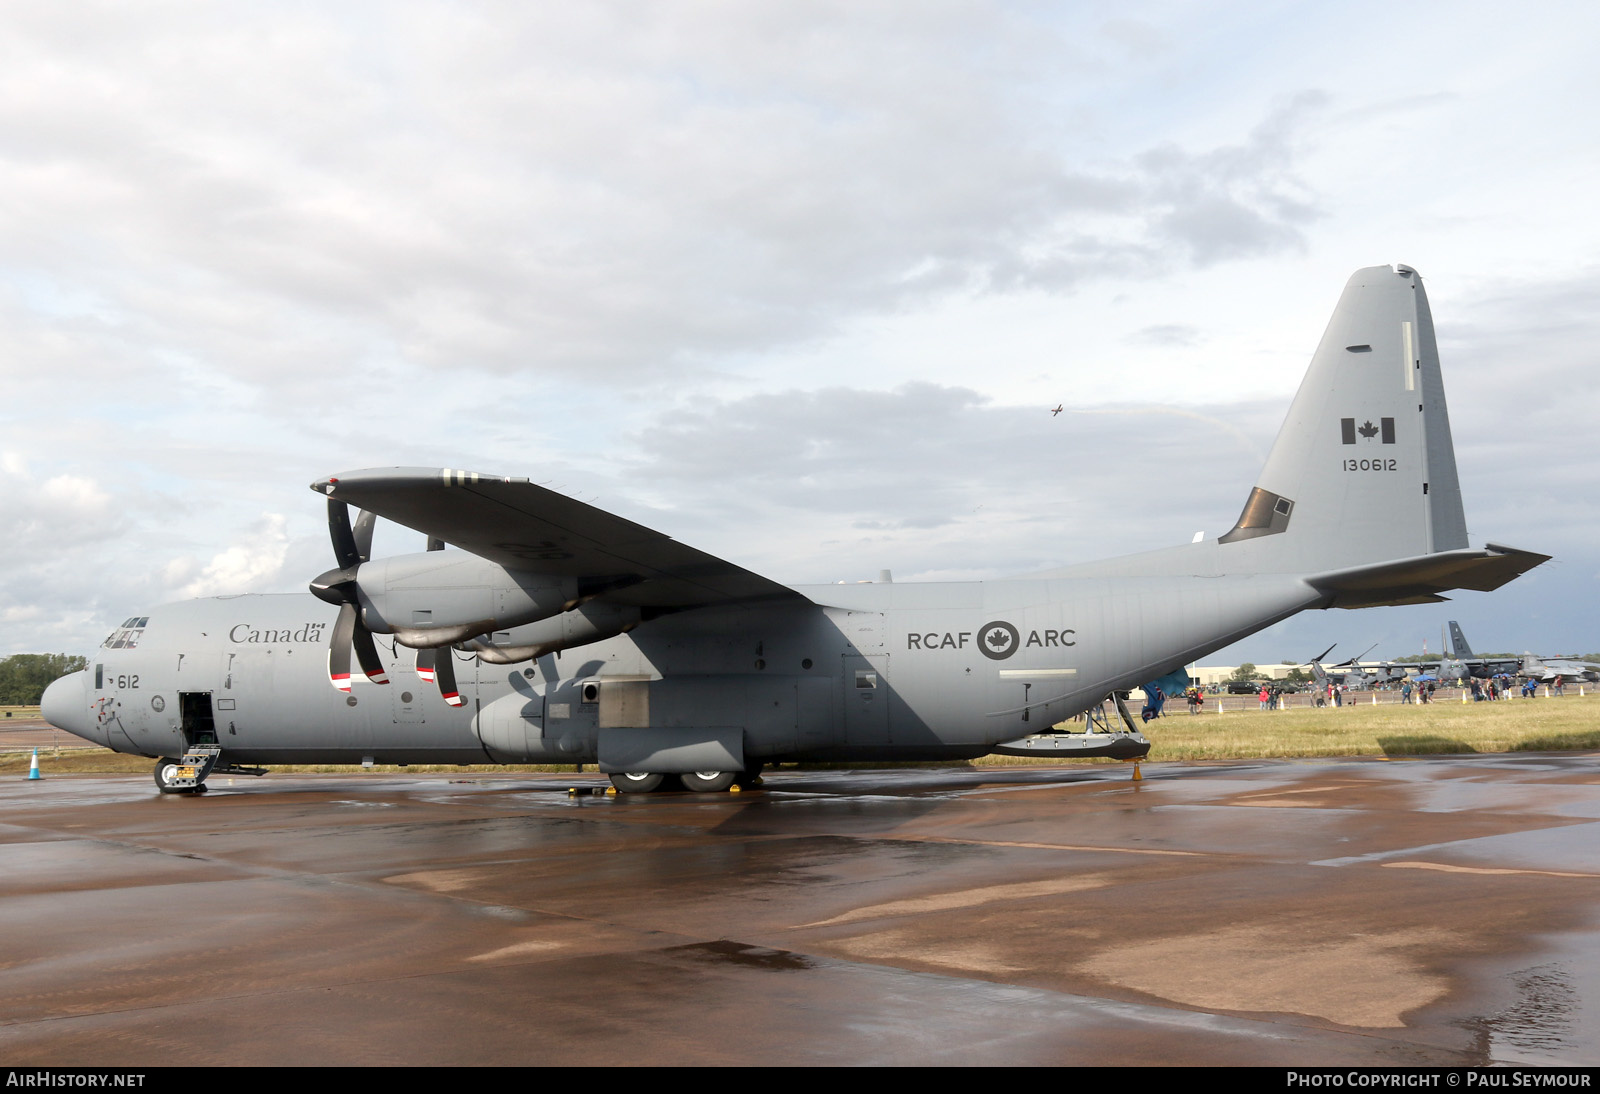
(527, 528)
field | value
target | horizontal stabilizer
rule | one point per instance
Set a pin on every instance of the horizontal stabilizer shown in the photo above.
(1421, 579)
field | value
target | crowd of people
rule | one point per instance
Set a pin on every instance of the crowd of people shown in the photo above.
(1271, 694)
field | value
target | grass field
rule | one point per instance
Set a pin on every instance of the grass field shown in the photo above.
(1387, 729)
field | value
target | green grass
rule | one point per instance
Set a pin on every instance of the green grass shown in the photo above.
(1388, 729)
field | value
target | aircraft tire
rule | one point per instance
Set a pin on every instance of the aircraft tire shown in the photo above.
(165, 768)
(707, 782)
(637, 782)
(750, 776)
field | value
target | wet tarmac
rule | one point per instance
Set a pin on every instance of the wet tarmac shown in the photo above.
(1429, 911)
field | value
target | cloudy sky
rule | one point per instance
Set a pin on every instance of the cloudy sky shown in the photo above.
(793, 283)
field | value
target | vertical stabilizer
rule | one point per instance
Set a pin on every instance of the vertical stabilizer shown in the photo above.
(1458, 641)
(1363, 469)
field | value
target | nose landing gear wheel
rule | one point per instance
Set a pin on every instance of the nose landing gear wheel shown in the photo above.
(637, 782)
(706, 782)
(166, 778)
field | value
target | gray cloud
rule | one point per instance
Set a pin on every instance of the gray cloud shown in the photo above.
(1237, 200)
(602, 190)
(1167, 334)
(931, 479)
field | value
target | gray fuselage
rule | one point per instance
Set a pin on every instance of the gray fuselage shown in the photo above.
(871, 671)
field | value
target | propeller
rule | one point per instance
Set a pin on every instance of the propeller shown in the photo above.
(431, 667)
(352, 545)
(434, 668)
(1355, 662)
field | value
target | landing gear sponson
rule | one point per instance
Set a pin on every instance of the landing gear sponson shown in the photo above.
(699, 782)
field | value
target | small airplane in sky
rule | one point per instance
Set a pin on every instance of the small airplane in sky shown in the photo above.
(1059, 407)
(535, 628)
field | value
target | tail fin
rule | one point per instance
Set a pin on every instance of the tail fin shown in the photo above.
(1458, 641)
(1359, 495)
(1363, 469)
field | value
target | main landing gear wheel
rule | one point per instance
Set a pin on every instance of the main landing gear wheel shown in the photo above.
(166, 776)
(637, 782)
(708, 782)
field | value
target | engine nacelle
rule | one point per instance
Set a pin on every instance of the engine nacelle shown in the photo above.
(590, 623)
(436, 598)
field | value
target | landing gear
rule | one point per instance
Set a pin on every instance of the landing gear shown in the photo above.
(637, 782)
(708, 782)
(697, 782)
(188, 775)
(176, 777)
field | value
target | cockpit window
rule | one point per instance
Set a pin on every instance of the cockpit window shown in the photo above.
(126, 637)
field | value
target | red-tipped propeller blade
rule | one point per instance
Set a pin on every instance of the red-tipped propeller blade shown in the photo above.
(339, 647)
(367, 654)
(445, 667)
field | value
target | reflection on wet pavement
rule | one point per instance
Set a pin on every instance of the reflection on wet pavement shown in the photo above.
(1339, 912)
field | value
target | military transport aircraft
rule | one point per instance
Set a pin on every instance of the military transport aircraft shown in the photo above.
(551, 631)
(1462, 664)
(1350, 673)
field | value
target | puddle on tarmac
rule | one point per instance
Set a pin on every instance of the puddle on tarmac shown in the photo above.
(750, 957)
(1542, 1022)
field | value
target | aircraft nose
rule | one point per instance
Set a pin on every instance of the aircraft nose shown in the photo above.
(66, 706)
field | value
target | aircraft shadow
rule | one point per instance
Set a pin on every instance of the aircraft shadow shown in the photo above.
(1422, 744)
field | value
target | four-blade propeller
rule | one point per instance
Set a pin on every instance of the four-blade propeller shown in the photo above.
(352, 545)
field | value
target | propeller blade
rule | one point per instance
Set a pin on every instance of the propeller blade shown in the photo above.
(367, 653)
(445, 667)
(362, 533)
(345, 551)
(425, 665)
(339, 647)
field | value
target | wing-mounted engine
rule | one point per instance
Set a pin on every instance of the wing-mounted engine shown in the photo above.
(438, 598)
(533, 572)
(441, 598)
